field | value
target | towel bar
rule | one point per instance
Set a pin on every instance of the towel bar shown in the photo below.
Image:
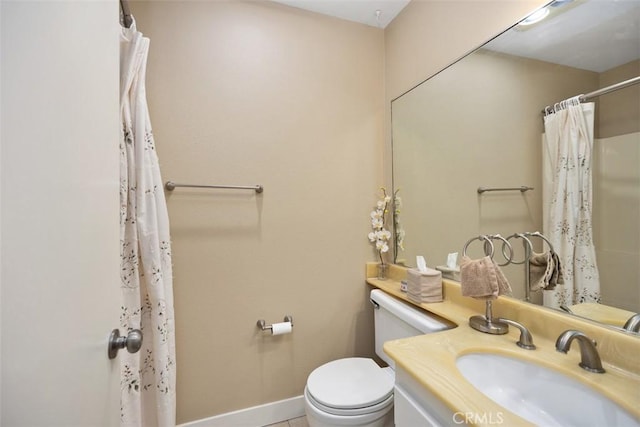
(521, 189)
(170, 186)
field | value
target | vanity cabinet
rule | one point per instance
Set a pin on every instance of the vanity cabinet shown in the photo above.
(414, 405)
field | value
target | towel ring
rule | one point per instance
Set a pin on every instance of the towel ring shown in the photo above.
(525, 241)
(486, 239)
(542, 236)
(506, 243)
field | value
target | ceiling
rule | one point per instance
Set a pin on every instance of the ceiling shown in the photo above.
(594, 35)
(362, 11)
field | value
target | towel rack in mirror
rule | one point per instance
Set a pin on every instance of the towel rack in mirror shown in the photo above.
(521, 189)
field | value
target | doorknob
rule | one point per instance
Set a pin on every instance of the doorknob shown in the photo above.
(133, 342)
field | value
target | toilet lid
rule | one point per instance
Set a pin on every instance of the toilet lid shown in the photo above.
(350, 383)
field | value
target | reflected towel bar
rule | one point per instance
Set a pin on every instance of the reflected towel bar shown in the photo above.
(521, 189)
(170, 186)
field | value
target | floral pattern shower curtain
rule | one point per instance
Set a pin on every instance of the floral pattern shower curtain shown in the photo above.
(147, 377)
(568, 146)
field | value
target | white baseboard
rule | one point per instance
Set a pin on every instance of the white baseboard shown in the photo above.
(257, 416)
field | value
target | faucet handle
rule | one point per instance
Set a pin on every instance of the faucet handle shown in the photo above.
(526, 340)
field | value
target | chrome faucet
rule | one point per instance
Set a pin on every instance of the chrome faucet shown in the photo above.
(565, 308)
(590, 357)
(526, 340)
(633, 324)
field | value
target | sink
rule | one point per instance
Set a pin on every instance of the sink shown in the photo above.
(540, 395)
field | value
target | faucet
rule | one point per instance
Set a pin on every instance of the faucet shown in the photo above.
(565, 308)
(590, 358)
(525, 341)
(633, 324)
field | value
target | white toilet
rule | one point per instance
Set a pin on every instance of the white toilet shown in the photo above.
(356, 391)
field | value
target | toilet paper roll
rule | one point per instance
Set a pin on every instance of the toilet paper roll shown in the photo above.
(281, 328)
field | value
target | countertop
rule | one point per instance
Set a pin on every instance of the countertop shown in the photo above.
(431, 359)
(602, 313)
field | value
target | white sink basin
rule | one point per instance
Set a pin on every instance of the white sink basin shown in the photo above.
(540, 395)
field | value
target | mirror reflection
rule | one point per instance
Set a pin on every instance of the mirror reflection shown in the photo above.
(510, 115)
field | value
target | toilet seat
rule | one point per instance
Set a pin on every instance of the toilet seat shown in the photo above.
(351, 411)
(350, 386)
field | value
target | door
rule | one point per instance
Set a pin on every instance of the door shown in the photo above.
(60, 293)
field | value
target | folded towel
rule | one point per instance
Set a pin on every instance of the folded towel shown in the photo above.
(556, 276)
(544, 271)
(482, 278)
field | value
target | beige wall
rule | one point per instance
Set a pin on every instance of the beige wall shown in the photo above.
(413, 53)
(254, 92)
(258, 93)
(428, 35)
(477, 124)
(616, 191)
(618, 111)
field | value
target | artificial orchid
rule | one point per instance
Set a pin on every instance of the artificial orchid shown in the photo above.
(380, 235)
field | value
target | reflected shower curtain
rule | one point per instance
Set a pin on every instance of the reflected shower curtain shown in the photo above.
(567, 158)
(147, 377)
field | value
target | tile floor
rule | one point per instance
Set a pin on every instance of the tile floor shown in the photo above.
(295, 422)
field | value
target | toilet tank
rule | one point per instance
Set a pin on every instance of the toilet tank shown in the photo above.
(395, 319)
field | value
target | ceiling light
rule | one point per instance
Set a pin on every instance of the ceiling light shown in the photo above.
(535, 17)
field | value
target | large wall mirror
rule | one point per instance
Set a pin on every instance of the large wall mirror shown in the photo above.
(480, 123)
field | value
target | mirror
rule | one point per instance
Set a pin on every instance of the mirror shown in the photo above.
(479, 123)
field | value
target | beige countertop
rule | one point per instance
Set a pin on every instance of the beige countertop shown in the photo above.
(602, 313)
(431, 359)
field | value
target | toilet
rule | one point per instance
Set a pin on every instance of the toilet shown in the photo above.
(355, 391)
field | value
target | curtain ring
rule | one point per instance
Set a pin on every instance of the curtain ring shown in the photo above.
(541, 236)
(508, 245)
(525, 241)
(486, 240)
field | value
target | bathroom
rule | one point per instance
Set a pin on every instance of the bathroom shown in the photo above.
(240, 93)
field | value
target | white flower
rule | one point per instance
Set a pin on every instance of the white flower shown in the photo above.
(382, 246)
(400, 233)
(380, 235)
(397, 202)
(377, 223)
(400, 238)
(383, 234)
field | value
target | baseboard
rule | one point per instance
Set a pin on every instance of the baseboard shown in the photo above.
(257, 416)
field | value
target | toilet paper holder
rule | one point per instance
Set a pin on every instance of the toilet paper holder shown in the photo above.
(262, 325)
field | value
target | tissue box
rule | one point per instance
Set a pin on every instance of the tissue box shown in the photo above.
(450, 273)
(424, 286)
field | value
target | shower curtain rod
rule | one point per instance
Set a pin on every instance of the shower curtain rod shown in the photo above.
(609, 89)
(605, 90)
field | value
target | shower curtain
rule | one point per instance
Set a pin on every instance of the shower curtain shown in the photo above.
(147, 377)
(567, 193)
